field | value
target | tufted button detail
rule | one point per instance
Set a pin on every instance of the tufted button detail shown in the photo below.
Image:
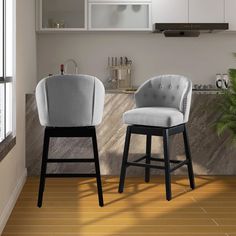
(177, 87)
(170, 86)
(160, 86)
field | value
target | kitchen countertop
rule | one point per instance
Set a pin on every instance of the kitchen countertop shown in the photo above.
(132, 91)
(124, 91)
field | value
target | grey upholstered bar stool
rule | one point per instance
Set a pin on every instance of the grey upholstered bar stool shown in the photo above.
(162, 109)
(70, 106)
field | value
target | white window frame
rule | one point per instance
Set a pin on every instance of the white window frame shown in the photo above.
(6, 79)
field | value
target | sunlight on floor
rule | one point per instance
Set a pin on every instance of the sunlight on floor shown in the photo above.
(70, 207)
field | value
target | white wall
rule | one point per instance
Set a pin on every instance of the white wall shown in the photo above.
(198, 58)
(12, 168)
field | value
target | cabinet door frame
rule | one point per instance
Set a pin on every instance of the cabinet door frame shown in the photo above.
(39, 19)
(148, 3)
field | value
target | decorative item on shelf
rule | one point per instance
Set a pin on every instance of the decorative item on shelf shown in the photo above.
(120, 72)
(121, 8)
(136, 8)
(56, 24)
(227, 105)
(50, 23)
(222, 81)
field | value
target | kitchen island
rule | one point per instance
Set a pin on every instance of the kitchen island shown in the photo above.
(212, 155)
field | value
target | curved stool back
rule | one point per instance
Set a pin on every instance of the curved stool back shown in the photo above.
(70, 101)
(174, 91)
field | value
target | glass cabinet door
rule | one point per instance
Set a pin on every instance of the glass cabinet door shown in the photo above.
(63, 14)
(119, 16)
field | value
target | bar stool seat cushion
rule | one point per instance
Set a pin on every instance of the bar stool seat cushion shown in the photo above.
(154, 116)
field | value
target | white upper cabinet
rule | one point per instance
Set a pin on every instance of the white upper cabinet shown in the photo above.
(130, 15)
(120, 15)
(206, 11)
(62, 15)
(170, 11)
(230, 14)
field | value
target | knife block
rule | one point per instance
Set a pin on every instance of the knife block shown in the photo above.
(121, 75)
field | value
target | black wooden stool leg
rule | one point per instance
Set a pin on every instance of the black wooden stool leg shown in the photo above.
(43, 167)
(167, 163)
(188, 156)
(124, 161)
(148, 156)
(97, 167)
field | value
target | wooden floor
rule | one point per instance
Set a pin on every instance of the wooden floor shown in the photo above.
(70, 207)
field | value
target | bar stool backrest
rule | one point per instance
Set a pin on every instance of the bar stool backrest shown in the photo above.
(174, 91)
(70, 101)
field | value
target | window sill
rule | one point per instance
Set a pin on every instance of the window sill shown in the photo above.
(6, 145)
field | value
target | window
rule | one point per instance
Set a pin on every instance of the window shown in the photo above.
(6, 68)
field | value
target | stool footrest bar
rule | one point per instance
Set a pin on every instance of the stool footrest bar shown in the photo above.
(162, 160)
(179, 165)
(69, 160)
(144, 165)
(157, 159)
(69, 175)
(140, 159)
